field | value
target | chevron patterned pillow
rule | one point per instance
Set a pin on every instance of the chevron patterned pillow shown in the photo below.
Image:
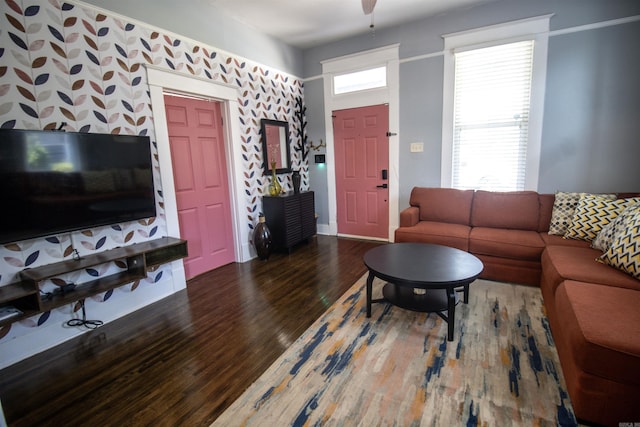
(624, 252)
(611, 231)
(564, 207)
(592, 214)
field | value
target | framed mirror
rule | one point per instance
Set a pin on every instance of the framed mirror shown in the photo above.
(275, 145)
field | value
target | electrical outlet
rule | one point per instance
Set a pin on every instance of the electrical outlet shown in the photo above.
(417, 147)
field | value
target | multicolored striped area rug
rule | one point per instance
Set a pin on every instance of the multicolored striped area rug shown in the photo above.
(398, 369)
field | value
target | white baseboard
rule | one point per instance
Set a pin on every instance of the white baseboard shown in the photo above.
(324, 229)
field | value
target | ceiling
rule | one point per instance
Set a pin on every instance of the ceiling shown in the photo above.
(307, 23)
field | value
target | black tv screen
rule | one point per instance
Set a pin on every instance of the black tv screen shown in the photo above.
(54, 182)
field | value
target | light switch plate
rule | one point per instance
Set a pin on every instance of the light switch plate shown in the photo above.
(417, 147)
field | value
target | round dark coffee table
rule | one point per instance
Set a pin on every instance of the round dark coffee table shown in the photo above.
(422, 277)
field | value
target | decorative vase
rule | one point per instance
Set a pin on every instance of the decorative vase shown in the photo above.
(295, 177)
(274, 187)
(262, 238)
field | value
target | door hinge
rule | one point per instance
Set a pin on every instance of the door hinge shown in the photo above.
(391, 134)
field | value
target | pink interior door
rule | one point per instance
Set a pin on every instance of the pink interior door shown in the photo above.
(362, 154)
(201, 181)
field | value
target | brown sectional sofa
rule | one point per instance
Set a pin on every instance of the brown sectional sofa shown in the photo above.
(593, 309)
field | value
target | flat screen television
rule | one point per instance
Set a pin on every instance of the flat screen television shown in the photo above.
(54, 182)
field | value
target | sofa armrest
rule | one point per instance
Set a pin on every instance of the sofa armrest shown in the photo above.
(409, 216)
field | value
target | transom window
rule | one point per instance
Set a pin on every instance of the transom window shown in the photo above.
(360, 80)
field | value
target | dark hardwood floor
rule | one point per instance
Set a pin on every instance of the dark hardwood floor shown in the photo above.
(186, 358)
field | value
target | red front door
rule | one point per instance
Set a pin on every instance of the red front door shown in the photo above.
(362, 154)
(201, 181)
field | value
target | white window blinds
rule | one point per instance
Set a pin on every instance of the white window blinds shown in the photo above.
(491, 117)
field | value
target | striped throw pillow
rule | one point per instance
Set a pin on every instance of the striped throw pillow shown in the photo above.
(624, 253)
(593, 213)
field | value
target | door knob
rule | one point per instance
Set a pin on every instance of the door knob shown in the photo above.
(382, 186)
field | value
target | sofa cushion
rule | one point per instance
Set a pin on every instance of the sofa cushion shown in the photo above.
(564, 207)
(513, 244)
(546, 209)
(515, 210)
(552, 239)
(624, 252)
(574, 263)
(592, 214)
(442, 204)
(601, 324)
(440, 233)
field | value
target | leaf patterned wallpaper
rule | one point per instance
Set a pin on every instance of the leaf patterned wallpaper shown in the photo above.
(63, 63)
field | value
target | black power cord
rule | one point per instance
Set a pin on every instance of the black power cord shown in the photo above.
(60, 290)
(89, 324)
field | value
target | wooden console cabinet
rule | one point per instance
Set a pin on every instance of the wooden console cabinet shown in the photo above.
(291, 218)
(140, 257)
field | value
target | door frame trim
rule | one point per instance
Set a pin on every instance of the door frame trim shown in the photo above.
(389, 57)
(161, 81)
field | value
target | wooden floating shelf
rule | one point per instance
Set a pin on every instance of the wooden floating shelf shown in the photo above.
(139, 258)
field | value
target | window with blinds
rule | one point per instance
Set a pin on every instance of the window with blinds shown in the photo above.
(492, 96)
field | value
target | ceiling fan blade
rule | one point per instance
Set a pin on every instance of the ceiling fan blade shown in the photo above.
(368, 5)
